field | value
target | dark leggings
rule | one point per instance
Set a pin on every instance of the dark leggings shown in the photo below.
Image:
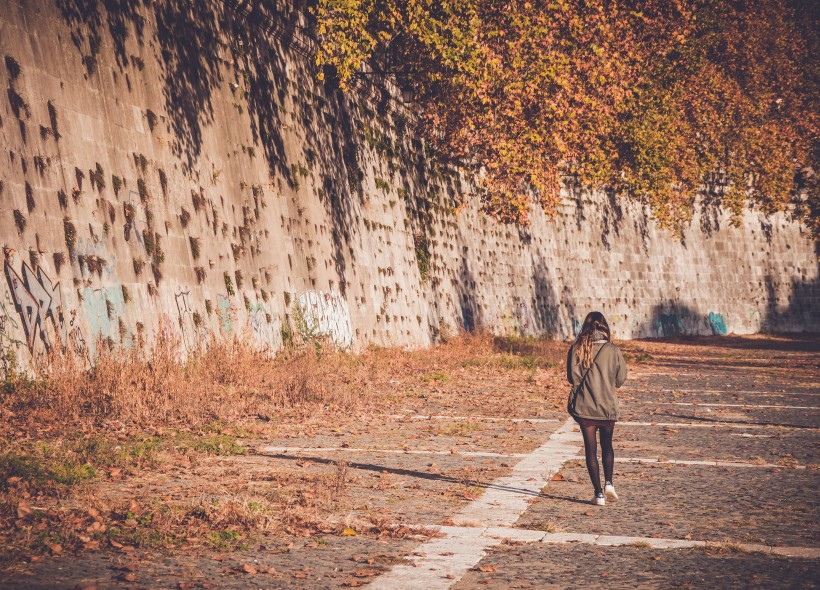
(591, 450)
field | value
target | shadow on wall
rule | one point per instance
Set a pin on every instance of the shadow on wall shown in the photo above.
(195, 40)
(324, 114)
(470, 309)
(800, 314)
(541, 315)
(85, 20)
(671, 319)
(546, 304)
(613, 216)
(802, 311)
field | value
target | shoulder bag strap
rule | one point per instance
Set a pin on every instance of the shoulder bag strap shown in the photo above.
(592, 364)
(575, 388)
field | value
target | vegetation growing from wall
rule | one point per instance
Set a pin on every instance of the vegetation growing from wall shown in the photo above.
(659, 100)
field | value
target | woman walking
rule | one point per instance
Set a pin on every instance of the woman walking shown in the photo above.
(595, 367)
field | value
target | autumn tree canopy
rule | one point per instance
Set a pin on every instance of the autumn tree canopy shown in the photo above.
(660, 100)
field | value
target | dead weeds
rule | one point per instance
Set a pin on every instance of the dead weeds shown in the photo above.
(79, 446)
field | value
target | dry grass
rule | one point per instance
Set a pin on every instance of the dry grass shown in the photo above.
(228, 381)
(549, 526)
(76, 438)
(726, 547)
(224, 382)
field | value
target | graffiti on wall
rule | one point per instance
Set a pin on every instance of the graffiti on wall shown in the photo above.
(669, 325)
(42, 315)
(76, 340)
(103, 306)
(327, 314)
(266, 327)
(39, 303)
(227, 313)
(192, 335)
(717, 323)
(9, 328)
(526, 319)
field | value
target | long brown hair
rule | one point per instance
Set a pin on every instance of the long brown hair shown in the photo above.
(594, 322)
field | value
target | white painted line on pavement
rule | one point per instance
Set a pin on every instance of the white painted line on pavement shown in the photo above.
(718, 405)
(704, 463)
(440, 563)
(283, 450)
(714, 425)
(733, 391)
(507, 499)
(655, 543)
(500, 534)
(474, 418)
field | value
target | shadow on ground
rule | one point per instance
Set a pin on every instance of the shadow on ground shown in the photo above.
(795, 342)
(422, 475)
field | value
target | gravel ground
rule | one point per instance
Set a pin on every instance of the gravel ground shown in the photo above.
(769, 445)
(540, 566)
(749, 505)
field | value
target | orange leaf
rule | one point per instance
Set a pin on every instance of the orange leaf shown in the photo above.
(23, 509)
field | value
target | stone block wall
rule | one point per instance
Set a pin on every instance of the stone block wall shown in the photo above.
(175, 168)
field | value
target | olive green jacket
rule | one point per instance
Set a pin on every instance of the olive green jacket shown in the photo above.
(596, 397)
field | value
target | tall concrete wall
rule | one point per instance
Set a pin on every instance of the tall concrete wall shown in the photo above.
(176, 168)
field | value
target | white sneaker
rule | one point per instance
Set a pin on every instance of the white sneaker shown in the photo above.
(599, 500)
(609, 492)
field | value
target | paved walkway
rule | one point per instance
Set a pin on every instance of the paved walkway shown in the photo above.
(715, 492)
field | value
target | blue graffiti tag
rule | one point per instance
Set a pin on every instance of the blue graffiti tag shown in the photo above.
(717, 323)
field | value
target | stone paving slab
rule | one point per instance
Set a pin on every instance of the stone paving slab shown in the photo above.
(770, 446)
(804, 419)
(549, 566)
(686, 502)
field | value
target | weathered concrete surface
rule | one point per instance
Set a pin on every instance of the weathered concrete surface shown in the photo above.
(180, 170)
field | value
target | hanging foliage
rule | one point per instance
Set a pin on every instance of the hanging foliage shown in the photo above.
(661, 99)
